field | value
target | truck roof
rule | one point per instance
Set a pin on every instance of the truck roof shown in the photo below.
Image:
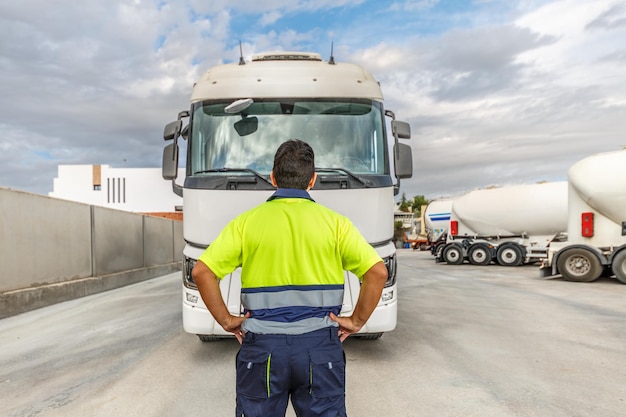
(286, 74)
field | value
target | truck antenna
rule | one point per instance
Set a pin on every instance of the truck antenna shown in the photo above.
(241, 60)
(331, 61)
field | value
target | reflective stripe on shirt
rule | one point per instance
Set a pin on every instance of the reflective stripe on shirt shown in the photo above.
(273, 327)
(292, 296)
(291, 309)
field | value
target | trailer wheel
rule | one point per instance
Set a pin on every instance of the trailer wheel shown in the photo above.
(619, 266)
(509, 254)
(479, 254)
(437, 249)
(579, 265)
(453, 254)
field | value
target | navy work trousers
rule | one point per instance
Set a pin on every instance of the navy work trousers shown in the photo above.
(308, 368)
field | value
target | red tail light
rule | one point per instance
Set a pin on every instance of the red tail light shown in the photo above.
(587, 225)
(454, 227)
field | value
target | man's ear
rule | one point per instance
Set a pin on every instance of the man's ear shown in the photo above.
(312, 182)
(272, 179)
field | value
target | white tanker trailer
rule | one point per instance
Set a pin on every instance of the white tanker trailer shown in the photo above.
(437, 218)
(511, 225)
(436, 221)
(596, 241)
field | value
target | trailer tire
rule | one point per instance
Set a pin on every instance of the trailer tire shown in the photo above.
(618, 266)
(579, 265)
(437, 249)
(479, 254)
(453, 254)
(509, 254)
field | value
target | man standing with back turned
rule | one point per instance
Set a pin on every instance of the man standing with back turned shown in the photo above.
(293, 253)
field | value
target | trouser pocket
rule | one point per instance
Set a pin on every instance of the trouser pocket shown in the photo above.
(327, 372)
(253, 372)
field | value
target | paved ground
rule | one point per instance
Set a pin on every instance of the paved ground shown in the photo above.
(471, 341)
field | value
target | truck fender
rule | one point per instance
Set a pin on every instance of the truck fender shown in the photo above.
(603, 259)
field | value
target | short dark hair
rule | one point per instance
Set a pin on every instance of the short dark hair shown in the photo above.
(294, 164)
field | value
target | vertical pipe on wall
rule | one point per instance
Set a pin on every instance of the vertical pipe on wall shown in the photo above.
(93, 240)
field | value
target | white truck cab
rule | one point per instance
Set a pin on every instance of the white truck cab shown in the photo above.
(240, 113)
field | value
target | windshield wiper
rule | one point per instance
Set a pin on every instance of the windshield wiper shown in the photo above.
(346, 172)
(251, 171)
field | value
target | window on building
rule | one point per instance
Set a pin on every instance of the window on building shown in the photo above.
(116, 190)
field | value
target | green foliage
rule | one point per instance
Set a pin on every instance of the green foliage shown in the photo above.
(417, 203)
(404, 204)
(413, 205)
(398, 233)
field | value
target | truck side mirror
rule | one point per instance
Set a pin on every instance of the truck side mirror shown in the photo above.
(403, 160)
(400, 129)
(172, 130)
(170, 161)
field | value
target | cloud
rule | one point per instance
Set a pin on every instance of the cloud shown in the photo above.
(270, 18)
(413, 5)
(479, 62)
(496, 92)
(505, 104)
(614, 17)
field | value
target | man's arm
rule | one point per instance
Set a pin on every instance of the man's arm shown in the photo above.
(209, 288)
(371, 289)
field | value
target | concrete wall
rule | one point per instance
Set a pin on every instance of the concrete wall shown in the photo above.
(53, 250)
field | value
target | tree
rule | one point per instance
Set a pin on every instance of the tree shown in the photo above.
(404, 204)
(417, 203)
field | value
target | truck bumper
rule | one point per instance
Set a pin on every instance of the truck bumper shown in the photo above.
(384, 319)
(198, 320)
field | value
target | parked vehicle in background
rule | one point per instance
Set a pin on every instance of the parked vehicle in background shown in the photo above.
(240, 114)
(511, 225)
(436, 221)
(596, 242)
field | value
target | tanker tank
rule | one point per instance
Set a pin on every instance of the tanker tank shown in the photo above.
(598, 184)
(534, 209)
(511, 225)
(596, 243)
(437, 217)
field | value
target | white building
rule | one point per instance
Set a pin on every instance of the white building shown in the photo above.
(140, 190)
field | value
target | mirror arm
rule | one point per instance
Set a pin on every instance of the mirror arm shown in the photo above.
(177, 189)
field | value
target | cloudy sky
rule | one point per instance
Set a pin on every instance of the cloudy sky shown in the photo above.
(497, 92)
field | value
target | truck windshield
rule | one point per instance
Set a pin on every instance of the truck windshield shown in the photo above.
(346, 135)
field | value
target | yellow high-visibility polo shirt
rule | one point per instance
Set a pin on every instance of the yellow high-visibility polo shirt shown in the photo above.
(293, 253)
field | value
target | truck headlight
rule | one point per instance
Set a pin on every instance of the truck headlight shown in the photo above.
(188, 265)
(388, 296)
(391, 264)
(191, 298)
